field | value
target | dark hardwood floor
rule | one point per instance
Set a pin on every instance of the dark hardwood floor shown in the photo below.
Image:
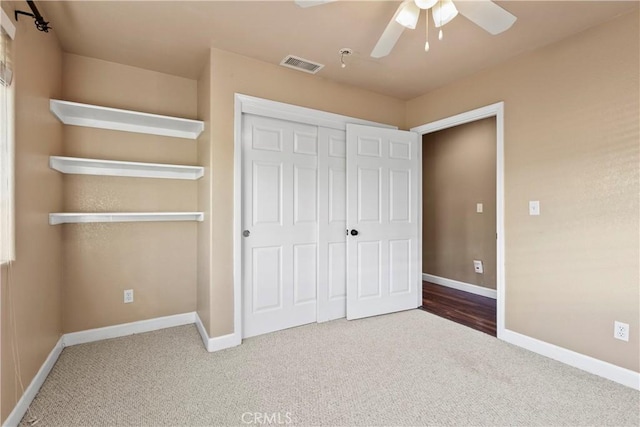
(471, 310)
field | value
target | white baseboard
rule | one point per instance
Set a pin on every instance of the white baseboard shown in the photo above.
(589, 364)
(125, 329)
(461, 286)
(30, 393)
(598, 367)
(217, 343)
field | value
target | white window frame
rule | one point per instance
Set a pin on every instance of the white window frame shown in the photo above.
(7, 159)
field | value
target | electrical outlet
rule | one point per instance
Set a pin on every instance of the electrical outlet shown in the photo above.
(479, 208)
(477, 266)
(621, 331)
(128, 296)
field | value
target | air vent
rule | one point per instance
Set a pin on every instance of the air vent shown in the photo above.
(301, 64)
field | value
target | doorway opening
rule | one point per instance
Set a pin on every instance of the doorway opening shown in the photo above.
(463, 218)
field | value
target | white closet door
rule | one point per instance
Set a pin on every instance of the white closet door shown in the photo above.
(382, 218)
(280, 223)
(332, 245)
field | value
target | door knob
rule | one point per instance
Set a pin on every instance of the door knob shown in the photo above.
(354, 232)
(246, 233)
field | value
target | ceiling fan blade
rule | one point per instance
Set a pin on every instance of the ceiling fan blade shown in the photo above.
(486, 14)
(310, 3)
(389, 37)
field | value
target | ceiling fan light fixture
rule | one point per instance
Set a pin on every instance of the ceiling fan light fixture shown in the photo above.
(408, 15)
(425, 4)
(426, 31)
(443, 12)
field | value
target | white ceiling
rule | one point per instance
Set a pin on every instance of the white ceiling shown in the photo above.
(174, 36)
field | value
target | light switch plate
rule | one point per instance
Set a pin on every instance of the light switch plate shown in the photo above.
(479, 208)
(534, 207)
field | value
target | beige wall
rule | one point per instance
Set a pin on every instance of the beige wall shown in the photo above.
(204, 198)
(156, 259)
(30, 289)
(571, 142)
(459, 171)
(231, 73)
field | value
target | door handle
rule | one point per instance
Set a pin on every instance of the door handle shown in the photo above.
(246, 233)
(354, 232)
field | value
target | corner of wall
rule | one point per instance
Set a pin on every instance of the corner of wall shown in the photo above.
(204, 199)
(35, 278)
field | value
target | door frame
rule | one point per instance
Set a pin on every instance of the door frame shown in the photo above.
(245, 104)
(494, 110)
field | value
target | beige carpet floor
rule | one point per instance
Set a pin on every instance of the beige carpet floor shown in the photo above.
(409, 368)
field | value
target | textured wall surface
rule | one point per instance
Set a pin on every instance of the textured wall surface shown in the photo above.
(571, 142)
(30, 288)
(459, 171)
(231, 73)
(156, 259)
(572, 137)
(204, 200)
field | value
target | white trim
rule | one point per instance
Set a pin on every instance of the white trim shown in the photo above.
(501, 281)
(597, 367)
(461, 286)
(294, 113)
(7, 24)
(460, 119)
(580, 361)
(420, 225)
(494, 110)
(116, 331)
(245, 104)
(81, 166)
(240, 101)
(74, 218)
(202, 331)
(32, 390)
(95, 116)
(589, 364)
(126, 329)
(217, 343)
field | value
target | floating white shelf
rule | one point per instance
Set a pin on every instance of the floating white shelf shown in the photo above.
(71, 218)
(74, 165)
(73, 113)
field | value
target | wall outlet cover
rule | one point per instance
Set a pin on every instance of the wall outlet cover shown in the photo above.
(479, 208)
(128, 296)
(621, 331)
(477, 266)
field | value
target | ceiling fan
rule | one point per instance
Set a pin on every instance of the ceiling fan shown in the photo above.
(484, 13)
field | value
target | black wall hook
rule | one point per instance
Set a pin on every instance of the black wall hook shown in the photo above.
(41, 24)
